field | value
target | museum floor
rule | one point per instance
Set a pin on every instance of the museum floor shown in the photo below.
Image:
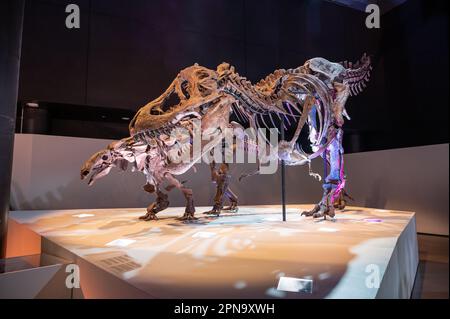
(432, 280)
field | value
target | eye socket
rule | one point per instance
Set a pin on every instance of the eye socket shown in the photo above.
(201, 75)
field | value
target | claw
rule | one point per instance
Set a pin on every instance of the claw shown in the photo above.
(319, 215)
(341, 200)
(187, 217)
(212, 212)
(149, 216)
(215, 210)
(320, 210)
(311, 212)
(232, 209)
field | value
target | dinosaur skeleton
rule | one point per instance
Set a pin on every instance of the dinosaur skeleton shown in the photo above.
(312, 95)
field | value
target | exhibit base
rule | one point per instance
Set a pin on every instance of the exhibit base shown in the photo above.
(364, 253)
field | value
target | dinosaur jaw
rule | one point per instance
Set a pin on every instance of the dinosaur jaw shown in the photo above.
(146, 121)
(98, 173)
(187, 119)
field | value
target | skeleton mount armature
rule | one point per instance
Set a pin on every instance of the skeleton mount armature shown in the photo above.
(311, 96)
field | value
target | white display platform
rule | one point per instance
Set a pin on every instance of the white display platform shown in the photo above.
(365, 253)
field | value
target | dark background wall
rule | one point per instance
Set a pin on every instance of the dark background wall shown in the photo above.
(127, 52)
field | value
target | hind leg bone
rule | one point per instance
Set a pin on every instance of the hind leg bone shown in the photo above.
(158, 205)
(187, 192)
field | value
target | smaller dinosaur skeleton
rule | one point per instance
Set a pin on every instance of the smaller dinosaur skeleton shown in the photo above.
(163, 131)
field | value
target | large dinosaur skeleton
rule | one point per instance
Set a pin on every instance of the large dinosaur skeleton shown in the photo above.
(201, 101)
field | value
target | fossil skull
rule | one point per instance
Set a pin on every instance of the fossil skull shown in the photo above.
(187, 97)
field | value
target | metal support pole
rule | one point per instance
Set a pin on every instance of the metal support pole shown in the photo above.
(283, 177)
(11, 20)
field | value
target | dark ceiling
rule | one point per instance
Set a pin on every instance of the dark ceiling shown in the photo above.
(127, 52)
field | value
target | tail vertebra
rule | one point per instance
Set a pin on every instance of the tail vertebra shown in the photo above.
(357, 74)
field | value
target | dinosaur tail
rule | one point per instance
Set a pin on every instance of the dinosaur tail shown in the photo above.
(357, 74)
